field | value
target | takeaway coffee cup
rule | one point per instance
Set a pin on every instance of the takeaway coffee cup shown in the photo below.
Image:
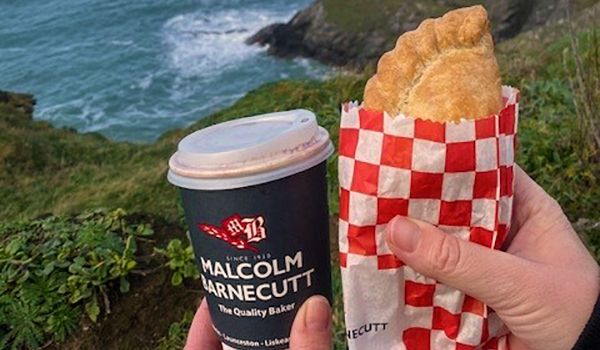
(254, 193)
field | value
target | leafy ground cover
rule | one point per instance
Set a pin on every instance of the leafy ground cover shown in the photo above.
(59, 273)
(55, 269)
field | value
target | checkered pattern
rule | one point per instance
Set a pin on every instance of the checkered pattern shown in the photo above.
(458, 177)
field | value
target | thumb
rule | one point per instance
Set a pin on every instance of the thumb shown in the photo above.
(312, 326)
(489, 275)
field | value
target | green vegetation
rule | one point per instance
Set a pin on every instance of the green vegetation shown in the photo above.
(339, 331)
(57, 171)
(54, 269)
(582, 62)
(43, 169)
(365, 15)
(180, 259)
(175, 338)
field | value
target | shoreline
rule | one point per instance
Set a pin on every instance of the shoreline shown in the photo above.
(354, 34)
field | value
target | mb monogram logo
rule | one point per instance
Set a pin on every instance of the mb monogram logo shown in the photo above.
(238, 231)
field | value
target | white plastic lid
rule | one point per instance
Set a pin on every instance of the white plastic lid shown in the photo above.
(249, 151)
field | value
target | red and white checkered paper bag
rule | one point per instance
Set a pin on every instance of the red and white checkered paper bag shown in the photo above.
(457, 176)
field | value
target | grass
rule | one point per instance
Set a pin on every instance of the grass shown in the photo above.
(582, 61)
(364, 15)
(48, 170)
(177, 334)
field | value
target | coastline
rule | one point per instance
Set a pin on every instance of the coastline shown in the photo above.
(353, 34)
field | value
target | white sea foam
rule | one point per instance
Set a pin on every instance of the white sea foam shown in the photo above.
(12, 49)
(146, 81)
(90, 117)
(122, 42)
(201, 43)
(313, 70)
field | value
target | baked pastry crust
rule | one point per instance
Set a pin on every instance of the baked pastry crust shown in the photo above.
(444, 70)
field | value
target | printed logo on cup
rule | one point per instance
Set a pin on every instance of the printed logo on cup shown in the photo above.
(238, 231)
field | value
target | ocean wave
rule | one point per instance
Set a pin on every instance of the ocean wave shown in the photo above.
(201, 43)
(90, 117)
(122, 42)
(146, 81)
(12, 49)
(314, 71)
(137, 78)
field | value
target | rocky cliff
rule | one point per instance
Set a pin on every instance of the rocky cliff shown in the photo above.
(356, 32)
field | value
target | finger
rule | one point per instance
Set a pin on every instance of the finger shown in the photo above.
(312, 326)
(488, 275)
(202, 336)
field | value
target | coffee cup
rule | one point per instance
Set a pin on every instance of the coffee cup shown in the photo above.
(254, 192)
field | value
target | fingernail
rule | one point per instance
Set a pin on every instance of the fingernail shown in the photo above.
(404, 234)
(318, 313)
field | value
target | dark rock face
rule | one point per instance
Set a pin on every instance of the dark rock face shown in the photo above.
(508, 17)
(311, 34)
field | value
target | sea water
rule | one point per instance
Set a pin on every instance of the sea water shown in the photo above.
(134, 69)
